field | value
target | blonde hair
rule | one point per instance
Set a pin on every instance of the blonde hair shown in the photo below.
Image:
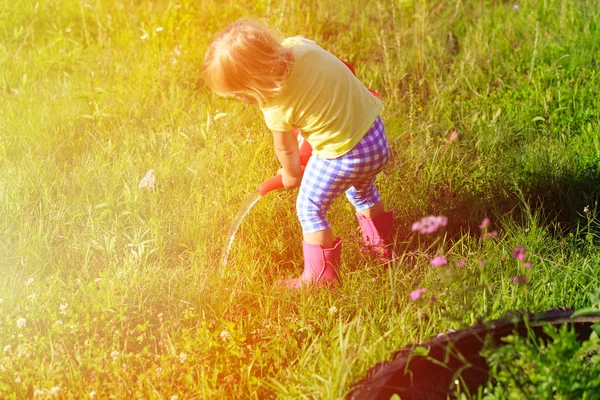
(247, 58)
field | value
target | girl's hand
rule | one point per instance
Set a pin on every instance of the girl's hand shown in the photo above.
(289, 181)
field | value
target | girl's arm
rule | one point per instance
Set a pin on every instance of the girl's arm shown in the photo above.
(288, 154)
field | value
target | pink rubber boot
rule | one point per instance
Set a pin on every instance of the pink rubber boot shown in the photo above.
(377, 236)
(320, 266)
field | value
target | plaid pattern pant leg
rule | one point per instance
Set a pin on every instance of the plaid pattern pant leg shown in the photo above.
(354, 173)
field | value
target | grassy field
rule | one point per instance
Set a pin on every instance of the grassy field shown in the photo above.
(109, 291)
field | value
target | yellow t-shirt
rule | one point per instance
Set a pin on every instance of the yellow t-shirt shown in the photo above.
(323, 99)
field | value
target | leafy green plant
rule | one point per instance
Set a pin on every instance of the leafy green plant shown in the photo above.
(560, 366)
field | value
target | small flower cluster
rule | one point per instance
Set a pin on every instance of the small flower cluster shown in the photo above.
(182, 357)
(439, 261)
(225, 335)
(429, 224)
(416, 294)
(519, 254)
(21, 322)
(426, 226)
(47, 392)
(519, 279)
(432, 223)
(484, 226)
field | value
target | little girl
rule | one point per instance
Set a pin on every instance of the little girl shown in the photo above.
(297, 84)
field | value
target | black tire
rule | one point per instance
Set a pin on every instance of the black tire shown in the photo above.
(456, 356)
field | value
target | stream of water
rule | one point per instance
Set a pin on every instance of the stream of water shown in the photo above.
(244, 210)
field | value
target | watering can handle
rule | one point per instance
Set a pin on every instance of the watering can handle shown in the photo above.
(271, 184)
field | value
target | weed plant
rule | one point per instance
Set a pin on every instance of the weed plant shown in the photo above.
(561, 366)
(110, 291)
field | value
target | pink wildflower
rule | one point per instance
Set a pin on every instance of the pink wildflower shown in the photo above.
(517, 250)
(439, 261)
(416, 294)
(452, 137)
(515, 279)
(519, 253)
(429, 224)
(461, 263)
(492, 234)
(485, 224)
(527, 265)
(519, 279)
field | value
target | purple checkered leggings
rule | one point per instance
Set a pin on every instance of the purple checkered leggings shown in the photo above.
(353, 173)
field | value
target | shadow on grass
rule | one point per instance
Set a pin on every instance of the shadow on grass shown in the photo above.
(565, 200)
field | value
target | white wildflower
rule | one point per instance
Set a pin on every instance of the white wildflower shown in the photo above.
(29, 281)
(92, 394)
(144, 36)
(54, 391)
(21, 350)
(225, 335)
(159, 29)
(332, 310)
(21, 322)
(7, 348)
(148, 181)
(182, 357)
(114, 354)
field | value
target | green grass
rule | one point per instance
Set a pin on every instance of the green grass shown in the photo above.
(95, 93)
